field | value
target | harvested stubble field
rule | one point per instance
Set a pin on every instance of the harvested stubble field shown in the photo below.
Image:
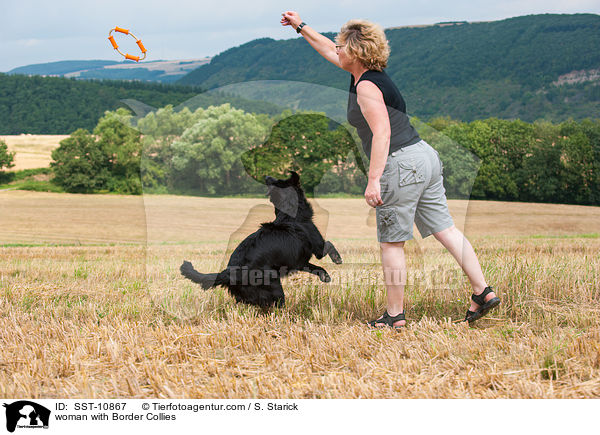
(92, 305)
(32, 150)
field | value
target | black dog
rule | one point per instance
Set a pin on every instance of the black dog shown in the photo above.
(279, 248)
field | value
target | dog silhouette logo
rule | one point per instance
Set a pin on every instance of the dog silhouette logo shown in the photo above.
(26, 414)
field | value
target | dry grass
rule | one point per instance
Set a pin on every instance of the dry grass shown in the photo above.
(118, 321)
(32, 151)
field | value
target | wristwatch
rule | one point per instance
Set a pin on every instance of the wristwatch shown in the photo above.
(299, 28)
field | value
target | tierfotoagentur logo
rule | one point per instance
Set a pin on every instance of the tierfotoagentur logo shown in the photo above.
(26, 415)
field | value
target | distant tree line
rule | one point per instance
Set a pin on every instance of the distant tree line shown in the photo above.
(530, 162)
(55, 105)
(215, 151)
(222, 150)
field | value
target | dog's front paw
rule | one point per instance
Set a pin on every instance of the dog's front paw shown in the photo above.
(336, 257)
(333, 253)
(324, 276)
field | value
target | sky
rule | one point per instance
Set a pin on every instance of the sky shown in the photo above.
(40, 31)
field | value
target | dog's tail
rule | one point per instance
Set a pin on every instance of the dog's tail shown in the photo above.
(206, 280)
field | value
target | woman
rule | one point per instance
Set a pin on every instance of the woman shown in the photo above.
(405, 183)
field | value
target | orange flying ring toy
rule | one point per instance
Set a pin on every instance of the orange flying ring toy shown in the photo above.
(111, 38)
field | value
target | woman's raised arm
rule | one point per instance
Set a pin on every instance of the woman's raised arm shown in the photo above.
(323, 45)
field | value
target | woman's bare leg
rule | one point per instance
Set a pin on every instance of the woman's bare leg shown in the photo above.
(460, 248)
(394, 272)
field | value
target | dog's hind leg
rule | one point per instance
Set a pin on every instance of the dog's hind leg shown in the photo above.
(317, 270)
(245, 294)
(278, 295)
(264, 295)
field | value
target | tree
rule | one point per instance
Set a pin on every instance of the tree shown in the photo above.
(80, 165)
(6, 158)
(580, 163)
(460, 164)
(122, 145)
(310, 144)
(160, 129)
(206, 159)
(108, 160)
(539, 177)
(500, 145)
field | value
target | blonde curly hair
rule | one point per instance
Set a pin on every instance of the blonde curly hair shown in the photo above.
(366, 42)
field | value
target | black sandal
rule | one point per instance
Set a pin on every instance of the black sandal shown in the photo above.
(387, 320)
(484, 307)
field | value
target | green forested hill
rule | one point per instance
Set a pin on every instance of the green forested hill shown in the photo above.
(467, 71)
(53, 105)
(49, 105)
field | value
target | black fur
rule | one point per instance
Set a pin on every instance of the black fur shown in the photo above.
(279, 248)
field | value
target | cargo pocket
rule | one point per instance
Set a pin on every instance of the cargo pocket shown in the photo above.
(411, 171)
(387, 217)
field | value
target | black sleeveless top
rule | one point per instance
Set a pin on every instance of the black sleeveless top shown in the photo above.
(402, 133)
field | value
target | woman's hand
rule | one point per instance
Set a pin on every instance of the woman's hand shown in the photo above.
(291, 18)
(324, 46)
(373, 193)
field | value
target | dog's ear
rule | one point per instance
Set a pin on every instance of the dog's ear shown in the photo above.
(295, 178)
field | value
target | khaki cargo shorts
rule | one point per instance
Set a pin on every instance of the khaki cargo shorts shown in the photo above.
(412, 191)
